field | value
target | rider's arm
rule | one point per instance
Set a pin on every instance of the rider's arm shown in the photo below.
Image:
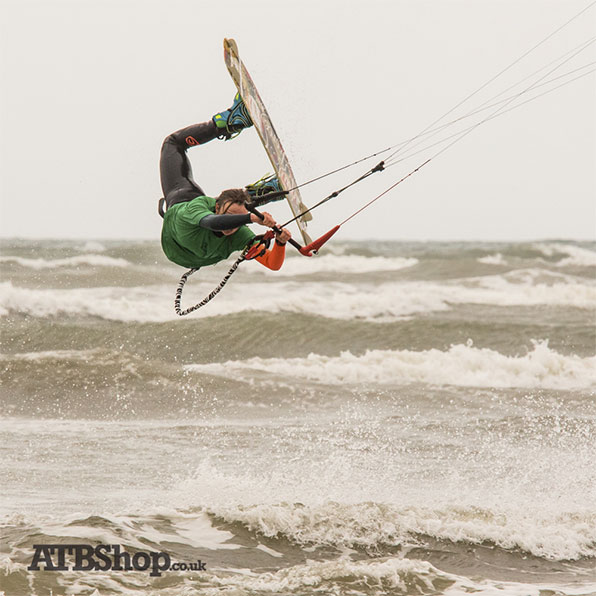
(273, 259)
(218, 223)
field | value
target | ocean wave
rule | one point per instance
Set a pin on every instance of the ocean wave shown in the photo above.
(523, 287)
(138, 304)
(374, 525)
(93, 246)
(496, 259)
(386, 576)
(95, 363)
(339, 264)
(375, 302)
(91, 260)
(576, 255)
(67, 355)
(379, 576)
(382, 577)
(461, 365)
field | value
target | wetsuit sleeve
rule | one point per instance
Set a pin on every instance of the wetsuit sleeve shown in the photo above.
(273, 259)
(217, 223)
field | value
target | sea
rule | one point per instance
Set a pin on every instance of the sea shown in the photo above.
(386, 418)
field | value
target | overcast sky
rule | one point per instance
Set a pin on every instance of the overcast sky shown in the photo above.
(89, 89)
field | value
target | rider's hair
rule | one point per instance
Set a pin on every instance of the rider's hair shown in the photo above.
(232, 196)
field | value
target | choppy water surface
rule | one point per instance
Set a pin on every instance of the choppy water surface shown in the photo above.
(389, 418)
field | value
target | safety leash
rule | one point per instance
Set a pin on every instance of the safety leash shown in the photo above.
(254, 248)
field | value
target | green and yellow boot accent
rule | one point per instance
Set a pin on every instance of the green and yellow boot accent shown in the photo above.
(259, 190)
(233, 121)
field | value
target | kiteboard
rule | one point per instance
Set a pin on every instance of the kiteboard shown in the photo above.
(264, 127)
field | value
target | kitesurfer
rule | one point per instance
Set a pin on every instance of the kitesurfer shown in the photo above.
(199, 230)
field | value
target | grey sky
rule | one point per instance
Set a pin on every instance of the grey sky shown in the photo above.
(90, 88)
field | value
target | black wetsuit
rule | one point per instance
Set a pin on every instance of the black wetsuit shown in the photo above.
(177, 182)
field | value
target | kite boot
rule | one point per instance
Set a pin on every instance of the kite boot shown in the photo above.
(232, 121)
(265, 190)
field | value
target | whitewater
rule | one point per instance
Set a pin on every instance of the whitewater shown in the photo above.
(387, 418)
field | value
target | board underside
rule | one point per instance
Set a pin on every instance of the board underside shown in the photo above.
(266, 131)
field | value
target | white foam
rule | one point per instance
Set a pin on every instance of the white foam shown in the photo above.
(375, 302)
(462, 365)
(77, 355)
(74, 526)
(90, 260)
(198, 531)
(150, 304)
(338, 264)
(93, 246)
(496, 259)
(371, 524)
(192, 529)
(465, 587)
(524, 287)
(576, 255)
(269, 551)
(386, 575)
(383, 574)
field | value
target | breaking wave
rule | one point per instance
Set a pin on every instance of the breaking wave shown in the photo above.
(337, 300)
(89, 260)
(462, 365)
(575, 255)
